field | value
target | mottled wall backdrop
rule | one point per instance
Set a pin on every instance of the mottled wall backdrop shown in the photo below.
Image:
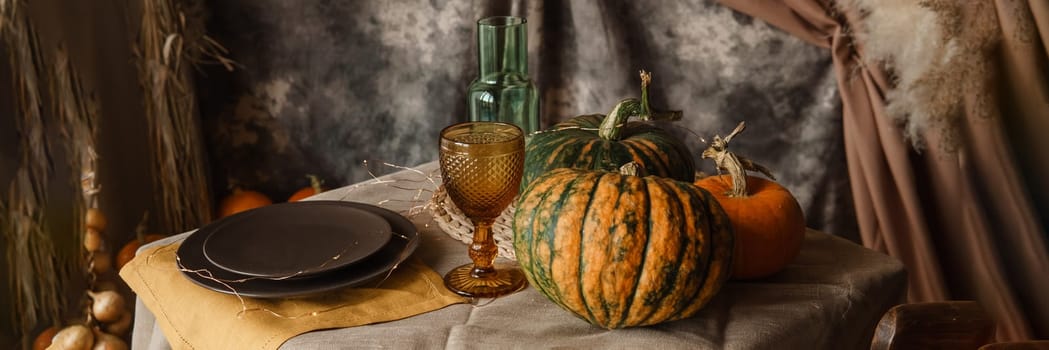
(325, 85)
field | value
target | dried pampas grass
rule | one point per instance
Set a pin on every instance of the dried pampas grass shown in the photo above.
(938, 52)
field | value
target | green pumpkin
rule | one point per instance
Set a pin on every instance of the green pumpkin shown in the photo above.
(599, 142)
(620, 250)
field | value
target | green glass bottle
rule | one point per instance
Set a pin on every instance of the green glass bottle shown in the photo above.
(503, 91)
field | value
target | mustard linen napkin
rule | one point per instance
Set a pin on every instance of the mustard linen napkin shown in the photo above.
(193, 317)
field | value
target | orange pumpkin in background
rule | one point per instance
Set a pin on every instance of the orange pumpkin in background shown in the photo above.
(241, 200)
(314, 188)
(127, 252)
(43, 340)
(767, 219)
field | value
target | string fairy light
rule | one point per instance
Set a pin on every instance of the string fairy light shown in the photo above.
(229, 284)
(421, 201)
(298, 273)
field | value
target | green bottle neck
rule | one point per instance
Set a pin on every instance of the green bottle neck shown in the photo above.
(502, 46)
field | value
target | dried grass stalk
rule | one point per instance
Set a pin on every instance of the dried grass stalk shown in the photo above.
(34, 269)
(172, 35)
(78, 116)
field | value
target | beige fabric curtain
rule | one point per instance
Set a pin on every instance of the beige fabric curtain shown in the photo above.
(962, 220)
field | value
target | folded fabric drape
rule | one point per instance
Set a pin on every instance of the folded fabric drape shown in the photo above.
(961, 218)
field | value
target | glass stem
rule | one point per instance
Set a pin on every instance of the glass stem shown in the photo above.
(483, 249)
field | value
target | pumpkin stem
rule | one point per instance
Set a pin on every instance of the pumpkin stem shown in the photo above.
(140, 229)
(611, 126)
(315, 183)
(736, 166)
(630, 107)
(648, 113)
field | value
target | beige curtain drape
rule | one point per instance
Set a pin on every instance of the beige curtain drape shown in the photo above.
(963, 220)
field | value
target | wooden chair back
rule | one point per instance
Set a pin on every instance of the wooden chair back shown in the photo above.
(955, 325)
(1020, 345)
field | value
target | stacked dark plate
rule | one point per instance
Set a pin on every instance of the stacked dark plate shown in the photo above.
(297, 249)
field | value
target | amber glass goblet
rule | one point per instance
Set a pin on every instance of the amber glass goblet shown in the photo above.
(481, 167)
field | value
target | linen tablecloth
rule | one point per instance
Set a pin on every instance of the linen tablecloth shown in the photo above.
(830, 297)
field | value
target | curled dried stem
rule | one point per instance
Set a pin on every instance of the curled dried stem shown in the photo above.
(735, 165)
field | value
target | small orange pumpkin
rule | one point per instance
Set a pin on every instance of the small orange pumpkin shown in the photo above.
(43, 340)
(314, 188)
(241, 200)
(127, 252)
(767, 219)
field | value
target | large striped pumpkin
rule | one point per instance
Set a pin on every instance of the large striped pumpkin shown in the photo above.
(599, 142)
(621, 250)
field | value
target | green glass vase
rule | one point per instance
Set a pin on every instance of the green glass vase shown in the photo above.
(503, 91)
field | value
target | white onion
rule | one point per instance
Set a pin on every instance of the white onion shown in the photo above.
(105, 285)
(75, 337)
(109, 342)
(107, 306)
(92, 239)
(102, 263)
(121, 326)
(95, 219)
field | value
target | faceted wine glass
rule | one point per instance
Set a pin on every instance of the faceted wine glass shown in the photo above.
(481, 167)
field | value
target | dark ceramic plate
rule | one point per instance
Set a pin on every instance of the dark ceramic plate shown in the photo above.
(297, 239)
(404, 242)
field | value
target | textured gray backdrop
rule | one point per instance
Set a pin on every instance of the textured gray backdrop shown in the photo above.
(326, 85)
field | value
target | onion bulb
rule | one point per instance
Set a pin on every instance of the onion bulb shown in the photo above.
(242, 200)
(92, 239)
(106, 341)
(121, 326)
(105, 285)
(95, 219)
(75, 337)
(106, 306)
(103, 262)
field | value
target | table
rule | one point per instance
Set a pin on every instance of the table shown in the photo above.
(830, 297)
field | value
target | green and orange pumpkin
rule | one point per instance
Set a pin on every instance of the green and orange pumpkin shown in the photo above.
(619, 250)
(599, 142)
